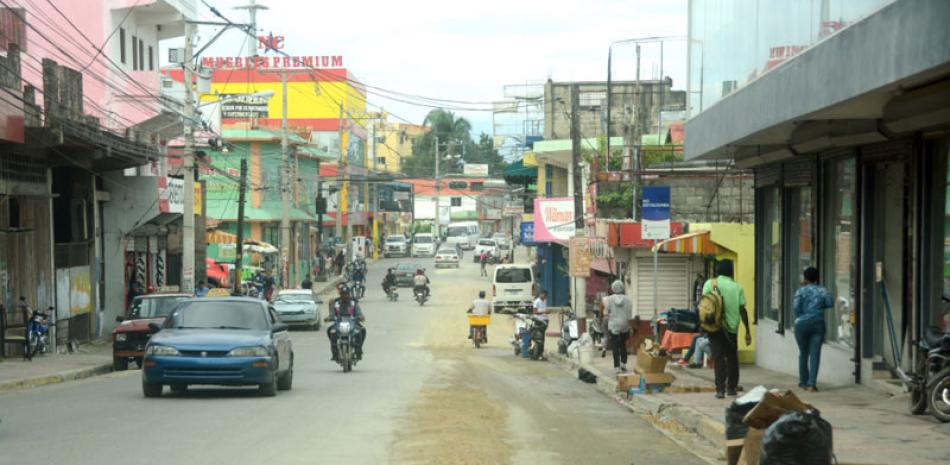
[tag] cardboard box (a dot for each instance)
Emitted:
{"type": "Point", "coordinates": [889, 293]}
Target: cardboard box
{"type": "Point", "coordinates": [627, 380]}
{"type": "Point", "coordinates": [772, 406]}
{"type": "Point", "coordinates": [651, 379]}
{"type": "Point", "coordinates": [751, 447]}
{"type": "Point", "coordinates": [644, 381]}
{"type": "Point", "coordinates": [651, 363]}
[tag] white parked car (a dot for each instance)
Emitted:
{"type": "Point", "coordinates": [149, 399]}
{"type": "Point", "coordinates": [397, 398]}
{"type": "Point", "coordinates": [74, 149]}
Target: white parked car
{"type": "Point", "coordinates": [485, 245]}
{"type": "Point", "coordinates": [512, 287]}
{"type": "Point", "coordinates": [423, 245]}
{"type": "Point", "coordinates": [298, 307]}
{"type": "Point", "coordinates": [395, 244]}
{"type": "Point", "coordinates": [447, 256]}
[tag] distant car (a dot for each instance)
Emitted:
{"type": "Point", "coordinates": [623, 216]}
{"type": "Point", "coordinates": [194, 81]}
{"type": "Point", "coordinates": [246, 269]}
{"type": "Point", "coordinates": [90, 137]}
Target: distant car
{"type": "Point", "coordinates": [298, 307]}
{"type": "Point", "coordinates": [404, 273]}
{"type": "Point", "coordinates": [394, 245]}
{"type": "Point", "coordinates": [423, 245]}
{"type": "Point", "coordinates": [501, 239]}
{"type": "Point", "coordinates": [231, 341]}
{"type": "Point", "coordinates": [447, 256]}
{"type": "Point", "coordinates": [132, 334]}
{"type": "Point", "coordinates": [485, 245]}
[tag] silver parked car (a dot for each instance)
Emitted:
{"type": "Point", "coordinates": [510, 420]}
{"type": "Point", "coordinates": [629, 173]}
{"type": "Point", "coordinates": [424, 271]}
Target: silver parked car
{"type": "Point", "coordinates": [298, 307]}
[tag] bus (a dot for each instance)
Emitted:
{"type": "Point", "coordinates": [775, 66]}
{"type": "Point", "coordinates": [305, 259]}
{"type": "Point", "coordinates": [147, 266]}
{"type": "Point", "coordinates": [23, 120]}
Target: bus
{"type": "Point", "coordinates": [465, 234]}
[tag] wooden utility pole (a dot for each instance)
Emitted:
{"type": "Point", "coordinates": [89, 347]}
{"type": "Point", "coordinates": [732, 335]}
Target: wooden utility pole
{"type": "Point", "coordinates": [239, 250]}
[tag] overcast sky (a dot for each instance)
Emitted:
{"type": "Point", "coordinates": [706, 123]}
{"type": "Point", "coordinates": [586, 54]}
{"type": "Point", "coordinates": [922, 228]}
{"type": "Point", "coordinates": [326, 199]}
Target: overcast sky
{"type": "Point", "coordinates": [468, 51]}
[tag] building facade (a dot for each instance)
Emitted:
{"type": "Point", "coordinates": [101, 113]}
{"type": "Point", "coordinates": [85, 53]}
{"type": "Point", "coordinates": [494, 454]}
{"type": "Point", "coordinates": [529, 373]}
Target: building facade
{"type": "Point", "coordinates": [840, 109]}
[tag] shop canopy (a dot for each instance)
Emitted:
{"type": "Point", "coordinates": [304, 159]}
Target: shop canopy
{"type": "Point", "coordinates": [694, 243]}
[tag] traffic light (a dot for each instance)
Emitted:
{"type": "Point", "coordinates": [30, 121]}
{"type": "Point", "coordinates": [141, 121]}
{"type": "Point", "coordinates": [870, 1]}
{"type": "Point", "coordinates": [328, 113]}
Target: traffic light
{"type": "Point", "coordinates": [321, 204]}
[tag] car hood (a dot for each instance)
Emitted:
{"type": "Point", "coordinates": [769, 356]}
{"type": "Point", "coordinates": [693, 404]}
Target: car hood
{"type": "Point", "coordinates": [280, 308]}
{"type": "Point", "coordinates": [210, 339]}
{"type": "Point", "coordinates": [139, 325]}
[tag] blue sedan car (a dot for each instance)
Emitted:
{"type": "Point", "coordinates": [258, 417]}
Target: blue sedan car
{"type": "Point", "coordinates": [231, 341]}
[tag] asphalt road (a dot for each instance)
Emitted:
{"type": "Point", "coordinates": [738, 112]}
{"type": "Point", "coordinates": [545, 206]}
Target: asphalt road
{"type": "Point", "coordinates": [422, 395]}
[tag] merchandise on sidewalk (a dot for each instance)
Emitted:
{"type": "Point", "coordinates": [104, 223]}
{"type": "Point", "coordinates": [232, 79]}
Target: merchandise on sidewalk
{"type": "Point", "coordinates": [651, 358]}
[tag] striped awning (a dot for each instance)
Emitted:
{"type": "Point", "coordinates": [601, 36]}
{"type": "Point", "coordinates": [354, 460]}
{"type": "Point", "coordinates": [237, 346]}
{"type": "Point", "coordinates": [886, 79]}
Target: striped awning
{"type": "Point", "coordinates": [694, 243]}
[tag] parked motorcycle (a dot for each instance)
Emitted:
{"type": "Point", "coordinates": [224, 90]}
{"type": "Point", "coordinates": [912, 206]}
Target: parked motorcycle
{"type": "Point", "coordinates": [38, 342]}
{"type": "Point", "coordinates": [569, 333]}
{"type": "Point", "coordinates": [420, 295]}
{"type": "Point", "coordinates": [529, 336]}
{"type": "Point", "coordinates": [929, 383]}
{"type": "Point", "coordinates": [347, 330]}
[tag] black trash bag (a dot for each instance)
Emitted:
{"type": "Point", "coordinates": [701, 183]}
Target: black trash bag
{"type": "Point", "coordinates": [586, 376]}
{"type": "Point", "coordinates": [735, 412]}
{"type": "Point", "coordinates": [798, 438]}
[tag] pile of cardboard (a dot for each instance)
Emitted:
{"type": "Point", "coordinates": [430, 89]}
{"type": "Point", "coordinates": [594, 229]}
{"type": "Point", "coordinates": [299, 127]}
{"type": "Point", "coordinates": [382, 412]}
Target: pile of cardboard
{"type": "Point", "coordinates": [650, 372]}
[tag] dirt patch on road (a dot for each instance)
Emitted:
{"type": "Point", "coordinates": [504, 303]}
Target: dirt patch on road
{"type": "Point", "coordinates": [452, 422]}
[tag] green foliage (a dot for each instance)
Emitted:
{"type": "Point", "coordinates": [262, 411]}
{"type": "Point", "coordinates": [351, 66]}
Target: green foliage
{"type": "Point", "coordinates": [454, 135]}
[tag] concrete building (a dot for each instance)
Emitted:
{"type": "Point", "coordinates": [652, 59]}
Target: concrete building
{"type": "Point", "coordinates": [841, 111]}
{"type": "Point", "coordinates": [392, 143]}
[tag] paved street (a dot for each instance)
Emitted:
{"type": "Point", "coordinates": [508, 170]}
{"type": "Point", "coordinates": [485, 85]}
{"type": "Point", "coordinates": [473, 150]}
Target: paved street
{"type": "Point", "coordinates": [422, 395]}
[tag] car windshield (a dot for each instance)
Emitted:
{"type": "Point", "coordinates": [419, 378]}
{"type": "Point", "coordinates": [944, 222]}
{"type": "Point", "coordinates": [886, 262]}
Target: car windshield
{"type": "Point", "coordinates": [447, 250]}
{"type": "Point", "coordinates": [395, 239]}
{"type": "Point", "coordinates": [220, 314]}
{"type": "Point", "coordinates": [423, 239]}
{"type": "Point", "coordinates": [295, 298]}
{"type": "Point", "coordinates": [154, 307]}
{"type": "Point", "coordinates": [513, 275]}
{"type": "Point", "coordinates": [486, 242]}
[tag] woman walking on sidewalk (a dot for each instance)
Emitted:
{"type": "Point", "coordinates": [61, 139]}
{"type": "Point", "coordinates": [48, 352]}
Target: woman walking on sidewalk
{"type": "Point", "coordinates": [809, 304]}
{"type": "Point", "coordinates": [619, 311]}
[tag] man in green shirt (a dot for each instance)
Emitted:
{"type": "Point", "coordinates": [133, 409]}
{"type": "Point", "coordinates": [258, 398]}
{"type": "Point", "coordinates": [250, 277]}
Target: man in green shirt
{"type": "Point", "coordinates": [725, 342]}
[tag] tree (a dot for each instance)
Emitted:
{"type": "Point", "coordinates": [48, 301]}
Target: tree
{"type": "Point", "coordinates": [454, 135]}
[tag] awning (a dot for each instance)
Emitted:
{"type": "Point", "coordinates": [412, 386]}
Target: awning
{"type": "Point", "coordinates": [695, 243]}
{"type": "Point", "coordinates": [602, 265]}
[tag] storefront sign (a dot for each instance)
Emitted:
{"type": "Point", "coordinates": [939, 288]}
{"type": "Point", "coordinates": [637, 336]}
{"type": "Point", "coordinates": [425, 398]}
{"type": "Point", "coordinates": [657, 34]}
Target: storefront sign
{"type": "Point", "coordinates": [656, 212]}
{"type": "Point", "coordinates": [553, 219]}
{"type": "Point", "coordinates": [527, 233]}
{"type": "Point", "coordinates": [273, 43]}
{"type": "Point", "coordinates": [171, 196]}
{"type": "Point", "coordinates": [239, 106]}
{"type": "Point", "coordinates": [580, 257]}
{"type": "Point", "coordinates": [475, 169]}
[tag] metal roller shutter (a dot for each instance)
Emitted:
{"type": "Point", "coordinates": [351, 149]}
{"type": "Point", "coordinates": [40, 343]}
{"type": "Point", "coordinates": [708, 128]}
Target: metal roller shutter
{"type": "Point", "coordinates": [673, 284]}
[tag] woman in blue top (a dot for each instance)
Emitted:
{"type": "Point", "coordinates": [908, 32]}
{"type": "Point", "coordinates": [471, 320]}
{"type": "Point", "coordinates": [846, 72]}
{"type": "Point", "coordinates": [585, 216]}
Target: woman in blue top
{"type": "Point", "coordinates": [810, 302]}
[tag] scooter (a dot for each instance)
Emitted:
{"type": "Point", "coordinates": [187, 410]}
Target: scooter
{"type": "Point", "coordinates": [420, 295]}
{"type": "Point", "coordinates": [929, 383]}
{"type": "Point", "coordinates": [569, 333]}
{"type": "Point", "coordinates": [528, 340]}
{"type": "Point", "coordinates": [38, 335]}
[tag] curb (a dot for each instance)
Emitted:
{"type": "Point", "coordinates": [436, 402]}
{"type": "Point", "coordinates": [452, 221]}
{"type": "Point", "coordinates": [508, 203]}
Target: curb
{"type": "Point", "coordinates": [62, 377]}
{"type": "Point", "coordinates": [699, 425]}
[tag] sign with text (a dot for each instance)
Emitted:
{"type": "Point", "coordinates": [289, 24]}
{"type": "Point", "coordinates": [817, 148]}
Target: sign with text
{"type": "Point", "coordinates": [527, 233]}
{"type": "Point", "coordinates": [475, 169]}
{"type": "Point", "coordinates": [553, 219]}
{"type": "Point", "coordinates": [580, 255]}
{"type": "Point", "coordinates": [656, 212]}
{"type": "Point", "coordinates": [241, 106]}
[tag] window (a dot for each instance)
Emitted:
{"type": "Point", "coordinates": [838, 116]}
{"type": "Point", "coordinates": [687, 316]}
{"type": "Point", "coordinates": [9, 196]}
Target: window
{"type": "Point", "coordinates": [13, 212]}
{"type": "Point", "coordinates": [380, 160]}
{"type": "Point", "coordinates": [477, 186]}
{"type": "Point", "coordinates": [122, 45]}
{"type": "Point", "coordinates": [513, 275]}
{"type": "Point", "coordinates": [799, 240]}
{"type": "Point", "coordinates": [771, 253]}
{"type": "Point", "coordinates": [456, 201]}
{"type": "Point", "coordinates": [592, 99]}
{"type": "Point", "coordinates": [141, 55]}
{"type": "Point", "coordinates": [135, 54]}
{"type": "Point", "coordinates": [838, 251]}
{"type": "Point", "coordinates": [151, 58]}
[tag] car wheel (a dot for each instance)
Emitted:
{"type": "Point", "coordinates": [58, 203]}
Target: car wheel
{"type": "Point", "coordinates": [120, 363]}
{"type": "Point", "coordinates": [268, 389]}
{"type": "Point", "coordinates": [152, 389]}
{"type": "Point", "coordinates": [286, 380]}
{"type": "Point", "coordinates": [179, 388]}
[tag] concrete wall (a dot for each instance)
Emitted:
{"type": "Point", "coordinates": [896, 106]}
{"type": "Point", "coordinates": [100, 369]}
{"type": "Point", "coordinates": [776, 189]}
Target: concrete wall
{"type": "Point", "coordinates": [653, 96]}
{"type": "Point", "coordinates": [709, 197]}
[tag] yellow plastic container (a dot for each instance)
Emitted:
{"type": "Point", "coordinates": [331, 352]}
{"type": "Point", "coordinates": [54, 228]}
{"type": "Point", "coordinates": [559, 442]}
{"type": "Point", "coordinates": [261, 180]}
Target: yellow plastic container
{"type": "Point", "coordinates": [479, 320]}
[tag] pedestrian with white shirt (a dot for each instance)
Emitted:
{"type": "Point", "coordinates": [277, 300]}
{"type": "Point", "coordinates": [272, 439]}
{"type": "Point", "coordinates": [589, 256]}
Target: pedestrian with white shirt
{"type": "Point", "coordinates": [540, 307]}
{"type": "Point", "coordinates": [619, 311]}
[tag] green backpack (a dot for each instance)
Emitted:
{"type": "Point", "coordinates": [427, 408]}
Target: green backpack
{"type": "Point", "coordinates": [710, 309]}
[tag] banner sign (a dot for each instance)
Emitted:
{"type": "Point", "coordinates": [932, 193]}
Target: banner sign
{"type": "Point", "coordinates": [527, 233]}
{"type": "Point", "coordinates": [475, 169]}
{"type": "Point", "coordinates": [580, 255]}
{"type": "Point", "coordinates": [242, 106]}
{"type": "Point", "coordinates": [553, 219]}
{"type": "Point", "coordinates": [656, 212]}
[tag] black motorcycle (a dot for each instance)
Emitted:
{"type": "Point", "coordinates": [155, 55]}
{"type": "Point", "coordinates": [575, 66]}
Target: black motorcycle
{"type": "Point", "coordinates": [929, 383]}
{"type": "Point", "coordinates": [535, 328]}
{"type": "Point", "coordinates": [347, 330]}
{"type": "Point", "coordinates": [392, 294]}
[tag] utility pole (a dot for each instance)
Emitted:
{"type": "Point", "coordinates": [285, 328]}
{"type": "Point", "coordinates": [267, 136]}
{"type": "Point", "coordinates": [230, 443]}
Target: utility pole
{"type": "Point", "coordinates": [438, 189]}
{"type": "Point", "coordinates": [285, 277]}
{"type": "Point", "coordinates": [252, 8]}
{"type": "Point", "coordinates": [580, 284]}
{"type": "Point", "coordinates": [188, 211]}
{"type": "Point", "coordinates": [340, 166]}
{"type": "Point", "coordinates": [634, 144]}
{"type": "Point", "coordinates": [239, 250]}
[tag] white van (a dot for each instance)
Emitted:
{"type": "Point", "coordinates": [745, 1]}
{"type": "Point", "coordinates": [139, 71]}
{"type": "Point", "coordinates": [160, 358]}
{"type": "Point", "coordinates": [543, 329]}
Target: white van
{"type": "Point", "coordinates": [423, 245]}
{"type": "Point", "coordinates": [512, 287]}
{"type": "Point", "coordinates": [465, 234]}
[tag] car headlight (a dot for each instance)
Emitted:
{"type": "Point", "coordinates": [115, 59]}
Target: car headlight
{"type": "Point", "coordinates": [161, 350]}
{"type": "Point", "coordinates": [121, 337]}
{"type": "Point", "coordinates": [257, 351]}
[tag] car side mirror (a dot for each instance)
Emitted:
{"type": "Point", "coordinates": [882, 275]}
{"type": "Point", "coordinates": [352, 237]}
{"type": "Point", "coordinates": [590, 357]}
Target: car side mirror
{"type": "Point", "coordinates": [120, 318]}
{"type": "Point", "coordinates": [154, 327]}
{"type": "Point", "coordinates": [278, 328]}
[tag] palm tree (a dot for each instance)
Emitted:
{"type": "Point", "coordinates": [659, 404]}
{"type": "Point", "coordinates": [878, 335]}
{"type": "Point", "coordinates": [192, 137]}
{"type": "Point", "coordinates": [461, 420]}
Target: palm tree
{"type": "Point", "coordinates": [454, 137]}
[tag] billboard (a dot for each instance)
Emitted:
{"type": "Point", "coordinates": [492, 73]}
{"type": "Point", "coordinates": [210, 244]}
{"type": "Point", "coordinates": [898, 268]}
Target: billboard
{"type": "Point", "coordinates": [475, 169]}
{"type": "Point", "coordinates": [553, 219]}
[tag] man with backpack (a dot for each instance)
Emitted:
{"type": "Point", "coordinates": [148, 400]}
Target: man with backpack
{"type": "Point", "coordinates": [721, 308]}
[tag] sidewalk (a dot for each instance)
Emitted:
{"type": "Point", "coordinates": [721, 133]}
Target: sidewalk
{"type": "Point", "coordinates": [869, 427]}
{"type": "Point", "coordinates": [91, 360]}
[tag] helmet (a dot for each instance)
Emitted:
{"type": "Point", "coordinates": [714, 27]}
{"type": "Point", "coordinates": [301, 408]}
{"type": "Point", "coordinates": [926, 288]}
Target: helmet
{"type": "Point", "coordinates": [344, 289]}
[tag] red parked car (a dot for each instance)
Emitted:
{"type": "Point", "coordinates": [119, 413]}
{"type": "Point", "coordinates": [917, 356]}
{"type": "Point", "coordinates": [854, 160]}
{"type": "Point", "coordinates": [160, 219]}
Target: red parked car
{"type": "Point", "coordinates": [132, 334]}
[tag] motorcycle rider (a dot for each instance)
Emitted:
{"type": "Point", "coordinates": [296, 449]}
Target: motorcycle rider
{"type": "Point", "coordinates": [480, 307]}
{"type": "Point", "coordinates": [359, 277]}
{"type": "Point", "coordinates": [345, 305]}
{"type": "Point", "coordinates": [389, 281]}
{"type": "Point", "coordinates": [420, 280]}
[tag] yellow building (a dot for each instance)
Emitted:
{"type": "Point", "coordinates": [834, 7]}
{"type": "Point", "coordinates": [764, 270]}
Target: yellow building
{"type": "Point", "coordinates": [393, 142]}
